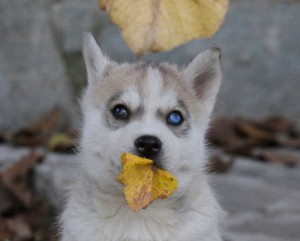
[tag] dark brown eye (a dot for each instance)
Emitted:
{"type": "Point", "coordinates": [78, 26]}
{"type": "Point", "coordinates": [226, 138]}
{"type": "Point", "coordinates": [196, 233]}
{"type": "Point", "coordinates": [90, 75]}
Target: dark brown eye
{"type": "Point", "coordinates": [120, 112]}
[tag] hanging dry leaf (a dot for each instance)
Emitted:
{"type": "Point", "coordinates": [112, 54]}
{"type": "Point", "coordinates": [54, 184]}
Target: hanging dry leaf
{"type": "Point", "coordinates": [156, 25]}
{"type": "Point", "coordinates": [144, 182]}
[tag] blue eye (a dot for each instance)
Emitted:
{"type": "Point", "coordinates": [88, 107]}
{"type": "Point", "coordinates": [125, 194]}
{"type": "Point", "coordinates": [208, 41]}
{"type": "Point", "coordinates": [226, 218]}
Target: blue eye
{"type": "Point", "coordinates": [120, 112]}
{"type": "Point", "coordinates": [175, 118]}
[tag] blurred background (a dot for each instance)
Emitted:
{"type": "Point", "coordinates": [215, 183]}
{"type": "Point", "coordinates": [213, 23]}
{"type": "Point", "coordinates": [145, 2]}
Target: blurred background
{"type": "Point", "coordinates": [255, 137]}
{"type": "Point", "coordinates": [41, 64]}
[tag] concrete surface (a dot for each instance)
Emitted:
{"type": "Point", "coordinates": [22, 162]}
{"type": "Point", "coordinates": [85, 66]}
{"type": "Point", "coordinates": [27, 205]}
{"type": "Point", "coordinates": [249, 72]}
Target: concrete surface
{"type": "Point", "coordinates": [32, 74]}
{"type": "Point", "coordinates": [261, 200]}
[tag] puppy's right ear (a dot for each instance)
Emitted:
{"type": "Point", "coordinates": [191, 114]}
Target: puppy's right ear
{"type": "Point", "coordinates": [94, 59]}
{"type": "Point", "coordinates": [204, 75]}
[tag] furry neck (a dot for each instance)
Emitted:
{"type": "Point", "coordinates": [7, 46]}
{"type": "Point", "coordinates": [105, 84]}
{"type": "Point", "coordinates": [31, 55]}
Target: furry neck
{"type": "Point", "coordinates": [95, 196]}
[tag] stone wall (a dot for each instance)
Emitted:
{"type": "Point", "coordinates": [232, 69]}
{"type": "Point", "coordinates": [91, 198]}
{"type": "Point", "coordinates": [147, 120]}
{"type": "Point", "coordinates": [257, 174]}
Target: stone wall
{"type": "Point", "coordinates": [41, 65]}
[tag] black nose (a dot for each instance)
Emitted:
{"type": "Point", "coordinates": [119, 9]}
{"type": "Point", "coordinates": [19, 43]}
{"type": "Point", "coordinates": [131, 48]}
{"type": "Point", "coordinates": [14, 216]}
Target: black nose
{"type": "Point", "coordinates": [148, 146]}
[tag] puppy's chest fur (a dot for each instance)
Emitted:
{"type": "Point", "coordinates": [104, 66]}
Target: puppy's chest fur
{"type": "Point", "coordinates": [125, 227]}
{"type": "Point", "coordinates": [114, 221]}
{"type": "Point", "coordinates": [106, 217]}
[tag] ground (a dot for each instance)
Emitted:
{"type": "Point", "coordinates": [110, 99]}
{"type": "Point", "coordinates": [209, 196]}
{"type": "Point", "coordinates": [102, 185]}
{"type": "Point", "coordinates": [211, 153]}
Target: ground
{"type": "Point", "coordinates": [261, 200]}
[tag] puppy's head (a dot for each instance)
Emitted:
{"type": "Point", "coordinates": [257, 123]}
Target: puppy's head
{"type": "Point", "coordinates": [151, 110]}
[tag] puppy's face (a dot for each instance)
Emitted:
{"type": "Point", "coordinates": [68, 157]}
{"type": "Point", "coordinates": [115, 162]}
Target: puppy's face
{"type": "Point", "coordinates": [154, 111]}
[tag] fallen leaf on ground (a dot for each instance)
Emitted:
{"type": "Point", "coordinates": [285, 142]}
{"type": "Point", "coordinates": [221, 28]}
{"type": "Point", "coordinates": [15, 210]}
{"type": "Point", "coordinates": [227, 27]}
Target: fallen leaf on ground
{"type": "Point", "coordinates": [288, 141]}
{"type": "Point", "coordinates": [4, 232]}
{"type": "Point", "coordinates": [23, 218]}
{"type": "Point", "coordinates": [7, 203]}
{"type": "Point", "coordinates": [223, 133]}
{"type": "Point", "coordinates": [19, 228]}
{"type": "Point", "coordinates": [251, 131]}
{"type": "Point", "coordinates": [48, 122]}
{"type": "Point", "coordinates": [2, 138]}
{"type": "Point", "coordinates": [240, 136]}
{"type": "Point", "coordinates": [14, 178]}
{"type": "Point", "coordinates": [277, 158]}
{"type": "Point", "coordinates": [38, 133]}
{"type": "Point", "coordinates": [61, 142]}
{"type": "Point", "coordinates": [218, 164]}
{"type": "Point", "coordinates": [160, 25]}
{"type": "Point", "coordinates": [275, 124]}
{"type": "Point", "coordinates": [144, 182]}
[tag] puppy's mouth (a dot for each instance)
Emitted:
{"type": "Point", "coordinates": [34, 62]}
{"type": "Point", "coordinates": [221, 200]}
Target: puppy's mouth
{"type": "Point", "coordinates": [157, 159]}
{"type": "Point", "coordinates": [157, 163]}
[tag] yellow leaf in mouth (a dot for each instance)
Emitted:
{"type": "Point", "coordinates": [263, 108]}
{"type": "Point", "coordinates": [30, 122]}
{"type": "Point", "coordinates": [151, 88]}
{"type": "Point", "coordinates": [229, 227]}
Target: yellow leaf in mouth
{"type": "Point", "coordinates": [144, 182]}
{"type": "Point", "coordinates": [160, 25]}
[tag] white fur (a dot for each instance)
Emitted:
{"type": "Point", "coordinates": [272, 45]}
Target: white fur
{"type": "Point", "coordinates": [97, 210]}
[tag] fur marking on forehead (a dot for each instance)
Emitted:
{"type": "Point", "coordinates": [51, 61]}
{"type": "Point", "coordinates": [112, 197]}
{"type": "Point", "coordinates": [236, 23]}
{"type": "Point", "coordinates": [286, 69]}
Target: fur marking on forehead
{"type": "Point", "coordinates": [153, 84]}
{"type": "Point", "coordinates": [131, 96]}
{"type": "Point", "coordinates": [156, 95]}
{"type": "Point", "coordinates": [165, 84]}
{"type": "Point", "coordinates": [160, 84]}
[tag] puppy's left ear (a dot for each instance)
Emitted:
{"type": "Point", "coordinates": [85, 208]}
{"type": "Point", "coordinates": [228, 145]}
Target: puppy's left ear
{"type": "Point", "coordinates": [95, 60]}
{"type": "Point", "coordinates": [204, 75]}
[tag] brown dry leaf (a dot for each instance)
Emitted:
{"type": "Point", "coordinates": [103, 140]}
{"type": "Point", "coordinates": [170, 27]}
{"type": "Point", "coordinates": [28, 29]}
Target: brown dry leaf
{"type": "Point", "coordinates": [223, 133]}
{"type": "Point", "coordinates": [241, 137]}
{"type": "Point", "coordinates": [160, 25]}
{"type": "Point", "coordinates": [19, 228]}
{"type": "Point", "coordinates": [37, 133]}
{"type": "Point", "coordinates": [289, 160]}
{"type": "Point", "coordinates": [4, 232]}
{"type": "Point", "coordinates": [276, 124]}
{"type": "Point", "coordinates": [14, 179]}
{"type": "Point", "coordinates": [26, 137]}
{"type": "Point", "coordinates": [2, 138]}
{"type": "Point", "coordinates": [35, 216]}
{"type": "Point", "coordinates": [143, 182]}
{"type": "Point", "coordinates": [277, 158]}
{"type": "Point", "coordinates": [287, 141]}
{"type": "Point", "coordinates": [220, 165]}
{"type": "Point", "coordinates": [7, 202]}
{"type": "Point", "coordinates": [17, 221]}
{"type": "Point", "coordinates": [250, 130]}
{"type": "Point", "coordinates": [48, 122]}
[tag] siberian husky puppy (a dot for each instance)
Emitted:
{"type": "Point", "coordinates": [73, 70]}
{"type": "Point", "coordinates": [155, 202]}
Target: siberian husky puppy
{"type": "Point", "coordinates": [155, 111]}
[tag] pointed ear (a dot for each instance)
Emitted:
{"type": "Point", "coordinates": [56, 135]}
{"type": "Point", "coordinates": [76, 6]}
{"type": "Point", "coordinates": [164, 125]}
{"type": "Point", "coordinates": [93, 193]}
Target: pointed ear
{"type": "Point", "coordinates": [94, 59]}
{"type": "Point", "coordinates": [204, 75]}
